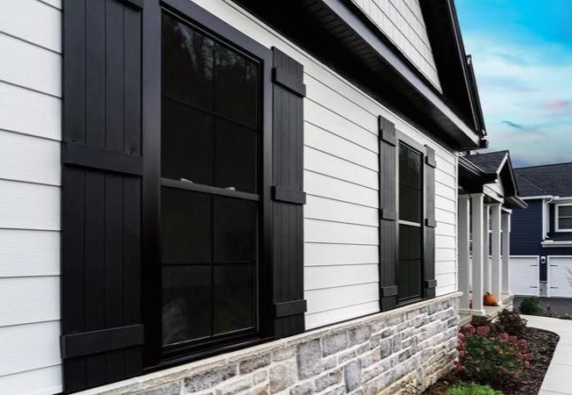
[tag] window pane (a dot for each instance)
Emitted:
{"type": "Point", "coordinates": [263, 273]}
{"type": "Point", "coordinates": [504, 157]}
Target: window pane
{"type": "Point", "coordinates": [234, 297]}
{"type": "Point", "coordinates": [210, 110]}
{"type": "Point", "coordinates": [234, 230]}
{"type": "Point", "coordinates": [236, 86]}
{"type": "Point", "coordinates": [565, 211]}
{"type": "Point", "coordinates": [186, 227]}
{"type": "Point", "coordinates": [565, 223]}
{"type": "Point", "coordinates": [188, 64]}
{"type": "Point", "coordinates": [187, 144]}
{"type": "Point", "coordinates": [410, 271]}
{"type": "Point", "coordinates": [187, 303]}
{"type": "Point", "coordinates": [410, 184]}
{"type": "Point", "coordinates": [235, 157]}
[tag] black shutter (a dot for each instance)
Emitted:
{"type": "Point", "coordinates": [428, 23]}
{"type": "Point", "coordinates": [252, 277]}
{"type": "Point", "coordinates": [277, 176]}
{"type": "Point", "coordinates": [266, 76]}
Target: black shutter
{"type": "Point", "coordinates": [288, 196]}
{"type": "Point", "coordinates": [430, 224]}
{"type": "Point", "coordinates": [388, 247]}
{"type": "Point", "coordinates": [102, 334]}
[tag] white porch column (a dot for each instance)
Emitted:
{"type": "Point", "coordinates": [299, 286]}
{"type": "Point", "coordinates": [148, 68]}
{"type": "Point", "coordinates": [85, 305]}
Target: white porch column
{"type": "Point", "coordinates": [486, 249]}
{"type": "Point", "coordinates": [478, 252]}
{"type": "Point", "coordinates": [505, 287]}
{"type": "Point", "coordinates": [496, 269]}
{"type": "Point", "coordinates": [464, 258]}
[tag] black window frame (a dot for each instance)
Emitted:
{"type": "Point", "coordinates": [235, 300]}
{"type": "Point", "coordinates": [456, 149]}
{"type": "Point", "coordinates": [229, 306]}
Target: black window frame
{"type": "Point", "coordinates": [419, 149]}
{"type": "Point", "coordinates": [156, 355]}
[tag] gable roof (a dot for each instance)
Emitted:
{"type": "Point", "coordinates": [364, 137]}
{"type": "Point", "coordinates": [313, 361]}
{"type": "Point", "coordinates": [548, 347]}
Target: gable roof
{"type": "Point", "coordinates": [490, 167]}
{"type": "Point", "coordinates": [554, 180]}
{"type": "Point", "coordinates": [490, 162]}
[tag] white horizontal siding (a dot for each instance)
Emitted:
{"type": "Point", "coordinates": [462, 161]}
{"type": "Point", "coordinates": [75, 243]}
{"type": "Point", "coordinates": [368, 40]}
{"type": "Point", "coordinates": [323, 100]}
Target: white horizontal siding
{"type": "Point", "coordinates": [28, 253]}
{"type": "Point", "coordinates": [340, 179]}
{"type": "Point", "coordinates": [28, 158]}
{"type": "Point", "coordinates": [23, 383]}
{"type": "Point", "coordinates": [321, 277]}
{"type": "Point", "coordinates": [30, 66]}
{"type": "Point", "coordinates": [29, 112]}
{"type": "Point", "coordinates": [32, 21]}
{"type": "Point", "coordinates": [29, 347]}
{"type": "Point", "coordinates": [25, 300]}
{"type": "Point", "coordinates": [30, 175]}
{"type": "Point", "coordinates": [402, 22]}
{"type": "Point", "coordinates": [29, 206]}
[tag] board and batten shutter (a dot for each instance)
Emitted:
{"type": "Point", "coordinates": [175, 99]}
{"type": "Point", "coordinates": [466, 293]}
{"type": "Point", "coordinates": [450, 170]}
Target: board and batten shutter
{"type": "Point", "coordinates": [287, 195]}
{"type": "Point", "coordinates": [388, 246]}
{"type": "Point", "coordinates": [102, 331]}
{"type": "Point", "coordinates": [430, 224]}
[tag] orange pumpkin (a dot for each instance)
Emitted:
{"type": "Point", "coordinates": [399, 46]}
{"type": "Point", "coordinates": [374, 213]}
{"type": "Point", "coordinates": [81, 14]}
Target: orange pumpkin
{"type": "Point", "coordinates": [490, 300]}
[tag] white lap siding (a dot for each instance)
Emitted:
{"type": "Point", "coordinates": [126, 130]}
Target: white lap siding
{"type": "Point", "coordinates": [402, 22]}
{"type": "Point", "coordinates": [341, 181]}
{"type": "Point", "coordinates": [30, 133]}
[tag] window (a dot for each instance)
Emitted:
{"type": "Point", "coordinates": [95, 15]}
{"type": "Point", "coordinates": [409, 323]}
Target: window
{"type": "Point", "coordinates": [210, 202]}
{"type": "Point", "coordinates": [564, 218]}
{"type": "Point", "coordinates": [410, 269]}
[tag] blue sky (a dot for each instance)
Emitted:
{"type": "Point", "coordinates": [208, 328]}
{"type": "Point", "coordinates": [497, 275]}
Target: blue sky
{"type": "Point", "coordinates": [522, 53]}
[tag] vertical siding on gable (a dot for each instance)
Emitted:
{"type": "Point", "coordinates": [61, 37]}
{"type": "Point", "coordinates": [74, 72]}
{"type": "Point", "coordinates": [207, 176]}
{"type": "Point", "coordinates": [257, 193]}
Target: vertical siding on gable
{"type": "Point", "coordinates": [340, 178]}
{"type": "Point", "coordinates": [30, 131]}
{"type": "Point", "coordinates": [402, 22]}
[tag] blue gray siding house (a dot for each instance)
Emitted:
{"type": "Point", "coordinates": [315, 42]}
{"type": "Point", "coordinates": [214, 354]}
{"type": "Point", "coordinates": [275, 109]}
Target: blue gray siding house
{"type": "Point", "coordinates": [543, 229]}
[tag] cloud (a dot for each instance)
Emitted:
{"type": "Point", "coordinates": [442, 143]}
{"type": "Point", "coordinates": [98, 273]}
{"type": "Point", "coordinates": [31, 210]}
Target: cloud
{"type": "Point", "coordinates": [526, 91]}
{"type": "Point", "coordinates": [513, 125]}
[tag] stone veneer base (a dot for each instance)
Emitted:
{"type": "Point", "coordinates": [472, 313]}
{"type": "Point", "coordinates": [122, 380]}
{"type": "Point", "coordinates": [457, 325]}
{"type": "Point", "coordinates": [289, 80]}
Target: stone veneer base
{"type": "Point", "coordinates": [402, 351]}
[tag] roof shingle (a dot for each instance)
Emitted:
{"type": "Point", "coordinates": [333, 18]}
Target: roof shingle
{"type": "Point", "coordinates": [555, 180]}
{"type": "Point", "coordinates": [489, 162]}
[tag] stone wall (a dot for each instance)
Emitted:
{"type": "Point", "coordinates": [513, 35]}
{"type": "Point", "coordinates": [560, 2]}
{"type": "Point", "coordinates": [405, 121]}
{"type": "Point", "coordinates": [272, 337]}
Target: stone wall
{"type": "Point", "coordinates": [398, 352]}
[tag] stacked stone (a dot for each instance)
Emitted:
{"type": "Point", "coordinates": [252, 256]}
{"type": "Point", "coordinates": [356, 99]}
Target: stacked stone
{"type": "Point", "coordinates": [398, 352]}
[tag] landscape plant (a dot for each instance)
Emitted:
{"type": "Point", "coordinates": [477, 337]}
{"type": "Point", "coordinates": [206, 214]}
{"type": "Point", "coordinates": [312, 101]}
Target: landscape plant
{"type": "Point", "coordinates": [510, 322]}
{"type": "Point", "coordinates": [531, 306]}
{"type": "Point", "coordinates": [489, 358]}
{"type": "Point", "coordinates": [472, 389]}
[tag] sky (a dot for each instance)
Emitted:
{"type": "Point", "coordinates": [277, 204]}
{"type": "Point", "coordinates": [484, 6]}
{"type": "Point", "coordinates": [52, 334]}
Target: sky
{"type": "Point", "coordinates": [522, 54]}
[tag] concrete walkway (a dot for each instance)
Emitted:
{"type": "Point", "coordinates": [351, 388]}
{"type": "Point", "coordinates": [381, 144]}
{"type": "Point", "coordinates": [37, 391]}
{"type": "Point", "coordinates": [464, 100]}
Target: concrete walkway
{"type": "Point", "coordinates": [558, 379]}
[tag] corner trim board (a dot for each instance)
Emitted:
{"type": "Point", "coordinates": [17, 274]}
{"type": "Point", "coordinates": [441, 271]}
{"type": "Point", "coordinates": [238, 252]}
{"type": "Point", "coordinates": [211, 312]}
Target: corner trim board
{"type": "Point", "coordinates": [87, 343]}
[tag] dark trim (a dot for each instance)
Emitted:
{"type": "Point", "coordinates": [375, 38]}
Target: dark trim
{"type": "Point", "coordinates": [431, 222]}
{"type": "Point", "coordinates": [136, 4]}
{"type": "Point", "coordinates": [287, 195]}
{"type": "Point", "coordinates": [430, 157]}
{"type": "Point", "coordinates": [286, 309]}
{"type": "Point", "coordinates": [200, 188]}
{"type": "Point", "coordinates": [282, 78]}
{"type": "Point", "coordinates": [429, 284]}
{"type": "Point", "coordinates": [388, 291]}
{"type": "Point", "coordinates": [97, 158]}
{"type": "Point", "coordinates": [389, 215]}
{"type": "Point", "coordinates": [87, 343]}
{"type": "Point", "coordinates": [386, 131]}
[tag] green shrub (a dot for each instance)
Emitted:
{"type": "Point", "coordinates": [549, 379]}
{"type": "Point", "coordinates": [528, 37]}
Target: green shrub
{"type": "Point", "coordinates": [489, 358]}
{"type": "Point", "coordinates": [565, 317]}
{"type": "Point", "coordinates": [472, 389]}
{"type": "Point", "coordinates": [480, 321]}
{"type": "Point", "coordinates": [530, 306]}
{"type": "Point", "coordinates": [510, 322]}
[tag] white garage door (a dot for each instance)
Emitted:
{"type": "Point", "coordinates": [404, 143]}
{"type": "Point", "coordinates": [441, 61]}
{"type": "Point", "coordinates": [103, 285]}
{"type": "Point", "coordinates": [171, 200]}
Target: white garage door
{"type": "Point", "coordinates": [524, 275]}
{"type": "Point", "coordinates": [560, 276]}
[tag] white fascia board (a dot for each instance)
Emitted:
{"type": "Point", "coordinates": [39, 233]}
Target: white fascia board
{"type": "Point", "coordinates": [538, 197]}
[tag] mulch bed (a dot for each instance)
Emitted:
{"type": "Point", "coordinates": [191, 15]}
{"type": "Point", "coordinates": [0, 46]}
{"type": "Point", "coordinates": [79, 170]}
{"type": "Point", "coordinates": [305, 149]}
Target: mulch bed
{"type": "Point", "coordinates": [530, 381]}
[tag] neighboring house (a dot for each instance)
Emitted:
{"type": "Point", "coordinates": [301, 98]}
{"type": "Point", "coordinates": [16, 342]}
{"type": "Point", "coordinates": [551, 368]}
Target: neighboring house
{"type": "Point", "coordinates": [227, 197]}
{"type": "Point", "coordinates": [488, 194]}
{"type": "Point", "coordinates": [543, 233]}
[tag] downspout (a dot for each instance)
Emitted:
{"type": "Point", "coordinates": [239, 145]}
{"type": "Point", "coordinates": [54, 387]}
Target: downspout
{"type": "Point", "coordinates": [546, 217]}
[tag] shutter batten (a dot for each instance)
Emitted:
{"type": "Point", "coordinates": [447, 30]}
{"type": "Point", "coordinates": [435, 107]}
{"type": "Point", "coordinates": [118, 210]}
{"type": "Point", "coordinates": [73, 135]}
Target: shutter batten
{"type": "Point", "coordinates": [288, 195]}
{"type": "Point", "coordinates": [102, 330]}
